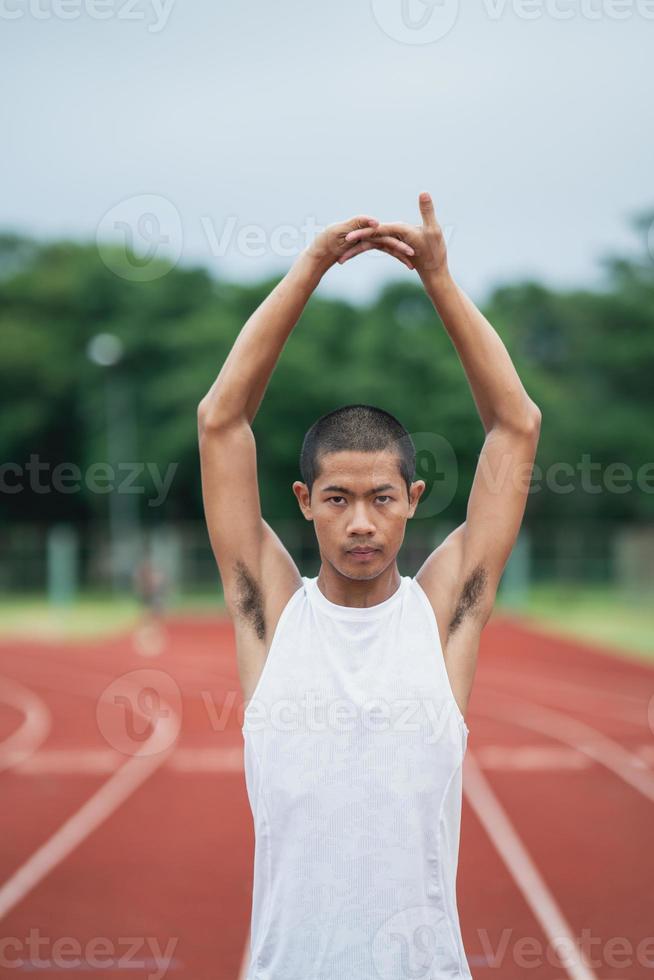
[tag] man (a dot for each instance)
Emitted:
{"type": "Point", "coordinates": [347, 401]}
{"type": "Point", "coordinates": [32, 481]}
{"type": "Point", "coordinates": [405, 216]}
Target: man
{"type": "Point", "coordinates": [150, 585]}
{"type": "Point", "coordinates": [357, 819]}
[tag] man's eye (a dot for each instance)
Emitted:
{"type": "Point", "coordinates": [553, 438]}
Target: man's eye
{"type": "Point", "coordinates": [382, 496]}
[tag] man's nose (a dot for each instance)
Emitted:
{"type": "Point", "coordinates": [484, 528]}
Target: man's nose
{"type": "Point", "coordinates": [360, 520]}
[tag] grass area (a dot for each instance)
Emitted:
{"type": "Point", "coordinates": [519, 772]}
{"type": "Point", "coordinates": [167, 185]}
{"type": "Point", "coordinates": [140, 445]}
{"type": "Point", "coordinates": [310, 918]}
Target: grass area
{"type": "Point", "coordinates": [594, 613]}
{"type": "Point", "coordinates": [92, 615]}
{"type": "Point", "coordinates": [591, 612]}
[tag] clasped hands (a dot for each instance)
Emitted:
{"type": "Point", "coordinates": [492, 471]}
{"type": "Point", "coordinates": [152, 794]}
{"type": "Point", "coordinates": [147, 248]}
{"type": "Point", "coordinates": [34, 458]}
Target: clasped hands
{"type": "Point", "coordinates": [419, 247]}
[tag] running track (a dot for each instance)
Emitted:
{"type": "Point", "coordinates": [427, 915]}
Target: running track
{"type": "Point", "coordinates": [126, 839]}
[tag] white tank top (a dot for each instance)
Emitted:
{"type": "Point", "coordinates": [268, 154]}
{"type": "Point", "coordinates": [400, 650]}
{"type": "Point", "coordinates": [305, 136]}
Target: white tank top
{"type": "Point", "coordinates": [353, 751]}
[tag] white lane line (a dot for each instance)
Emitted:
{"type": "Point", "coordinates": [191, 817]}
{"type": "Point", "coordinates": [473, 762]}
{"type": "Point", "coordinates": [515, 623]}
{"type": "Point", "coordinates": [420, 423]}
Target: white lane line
{"type": "Point", "coordinates": [628, 766]}
{"type": "Point", "coordinates": [70, 762]}
{"type": "Point", "coordinates": [33, 731]}
{"type": "Point", "coordinates": [97, 809]}
{"type": "Point", "coordinates": [74, 762]}
{"type": "Point", "coordinates": [228, 759]}
{"type": "Point", "coordinates": [637, 715]}
{"type": "Point", "coordinates": [522, 758]}
{"type": "Point", "coordinates": [531, 758]}
{"type": "Point", "coordinates": [534, 889]}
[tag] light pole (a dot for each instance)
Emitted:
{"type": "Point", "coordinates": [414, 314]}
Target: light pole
{"type": "Point", "coordinates": [106, 350]}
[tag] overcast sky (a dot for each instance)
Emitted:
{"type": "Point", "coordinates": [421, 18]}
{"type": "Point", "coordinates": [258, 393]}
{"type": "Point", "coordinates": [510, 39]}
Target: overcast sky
{"type": "Point", "coordinates": [225, 133]}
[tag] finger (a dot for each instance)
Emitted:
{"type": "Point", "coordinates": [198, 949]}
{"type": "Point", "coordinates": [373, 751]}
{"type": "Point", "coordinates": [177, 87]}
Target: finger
{"type": "Point", "coordinates": [395, 242]}
{"type": "Point", "coordinates": [398, 255]}
{"type": "Point", "coordinates": [362, 221]}
{"type": "Point", "coordinates": [390, 247]}
{"type": "Point", "coordinates": [426, 206]}
{"type": "Point", "coordinates": [363, 247]}
{"type": "Point", "coordinates": [397, 229]}
{"type": "Point", "coordinates": [359, 234]}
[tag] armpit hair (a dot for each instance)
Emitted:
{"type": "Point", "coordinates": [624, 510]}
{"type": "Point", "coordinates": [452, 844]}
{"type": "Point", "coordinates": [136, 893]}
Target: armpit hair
{"type": "Point", "coordinates": [249, 599]}
{"type": "Point", "coordinates": [473, 590]}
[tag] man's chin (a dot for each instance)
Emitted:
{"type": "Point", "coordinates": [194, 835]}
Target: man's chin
{"type": "Point", "coordinates": [355, 568]}
{"type": "Point", "coordinates": [363, 559]}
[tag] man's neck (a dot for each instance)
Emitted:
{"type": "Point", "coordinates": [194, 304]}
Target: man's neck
{"type": "Point", "coordinates": [358, 593]}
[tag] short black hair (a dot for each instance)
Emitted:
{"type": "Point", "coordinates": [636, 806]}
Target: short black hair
{"type": "Point", "coordinates": [362, 428]}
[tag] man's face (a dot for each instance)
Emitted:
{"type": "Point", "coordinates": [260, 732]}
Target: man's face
{"type": "Point", "coordinates": [359, 501]}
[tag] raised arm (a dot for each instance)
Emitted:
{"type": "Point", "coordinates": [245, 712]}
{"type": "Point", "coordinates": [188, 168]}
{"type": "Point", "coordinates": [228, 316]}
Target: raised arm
{"type": "Point", "coordinates": [511, 421]}
{"type": "Point", "coordinates": [255, 569]}
{"type": "Point", "coordinates": [258, 574]}
{"type": "Point", "coordinates": [462, 575]}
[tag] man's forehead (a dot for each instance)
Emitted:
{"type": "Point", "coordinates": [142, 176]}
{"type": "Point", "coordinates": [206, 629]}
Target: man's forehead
{"type": "Point", "coordinates": [358, 466]}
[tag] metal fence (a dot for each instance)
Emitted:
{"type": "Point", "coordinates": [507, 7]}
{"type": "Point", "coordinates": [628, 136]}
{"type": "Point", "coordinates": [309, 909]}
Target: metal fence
{"type": "Point", "coordinates": [62, 560]}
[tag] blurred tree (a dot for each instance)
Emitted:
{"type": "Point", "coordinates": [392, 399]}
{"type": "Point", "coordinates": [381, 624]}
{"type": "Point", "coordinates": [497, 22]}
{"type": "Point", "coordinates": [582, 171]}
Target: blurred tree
{"type": "Point", "coordinates": [587, 358]}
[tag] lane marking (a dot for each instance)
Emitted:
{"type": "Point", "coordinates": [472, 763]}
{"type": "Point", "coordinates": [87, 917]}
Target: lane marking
{"type": "Point", "coordinates": [522, 758]}
{"type": "Point", "coordinates": [70, 762]}
{"type": "Point", "coordinates": [531, 758]}
{"type": "Point", "coordinates": [227, 759]}
{"type": "Point", "coordinates": [74, 762]}
{"type": "Point", "coordinates": [94, 812]}
{"type": "Point", "coordinates": [33, 730]}
{"type": "Point", "coordinates": [522, 868]}
{"type": "Point", "coordinates": [542, 683]}
{"type": "Point", "coordinates": [627, 766]}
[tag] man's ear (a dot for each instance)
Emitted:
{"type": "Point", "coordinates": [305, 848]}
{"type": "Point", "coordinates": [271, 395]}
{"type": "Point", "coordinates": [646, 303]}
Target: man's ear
{"type": "Point", "coordinates": [301, 491]}
{"type": "Point", "coordinates": [416, 492]}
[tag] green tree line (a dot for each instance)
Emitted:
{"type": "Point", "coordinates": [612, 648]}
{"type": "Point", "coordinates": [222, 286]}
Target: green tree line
{"type": "Point", "coordinates": [585, 356]}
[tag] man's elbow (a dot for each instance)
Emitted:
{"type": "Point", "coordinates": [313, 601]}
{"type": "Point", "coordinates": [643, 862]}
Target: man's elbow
{"type": "Point", "coordinates": [202, 416]}
{"type": "Point", "coordinates": [525, 423]}
{"type": "Point", "coordinates": [528, 423]}
{"type": "Point", "coordinates": [534, 419]}
{"type": "Point", "coordinates": [209, 418]}
{"type": "Point", "coordinates": [213, 420]}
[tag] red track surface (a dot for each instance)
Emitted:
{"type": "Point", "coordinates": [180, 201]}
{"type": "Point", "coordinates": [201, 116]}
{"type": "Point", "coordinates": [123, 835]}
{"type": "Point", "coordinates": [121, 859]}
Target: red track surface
{"type": "Point", "coordinates": [556, 835]}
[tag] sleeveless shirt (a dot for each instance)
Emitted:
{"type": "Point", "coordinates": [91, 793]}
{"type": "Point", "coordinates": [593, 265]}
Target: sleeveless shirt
{"type": "Point", "coordinates": [353, 755]}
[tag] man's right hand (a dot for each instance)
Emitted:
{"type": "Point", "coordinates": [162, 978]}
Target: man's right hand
{"type": "Point", "coordinates": [330, 245]}
{"type": "Point", "coordinates": [429, 251]}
